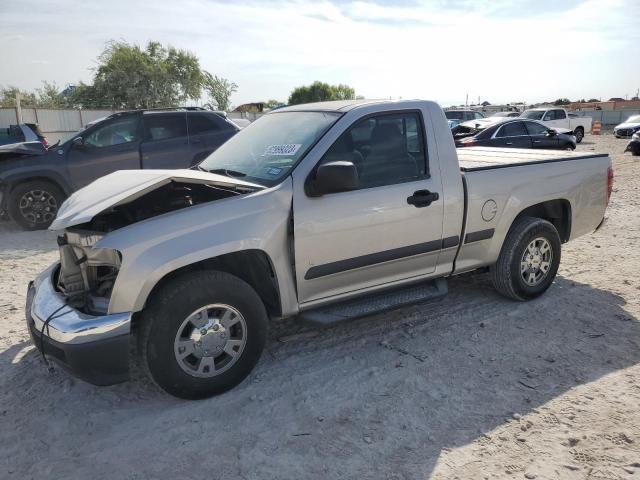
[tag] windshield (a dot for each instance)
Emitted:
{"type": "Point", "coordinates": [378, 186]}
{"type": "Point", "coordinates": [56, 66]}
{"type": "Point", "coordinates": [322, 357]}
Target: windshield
{"type": "Point", "coordinates": [533, 114]}
{"type": "Point", "coordinates": [266, 151]}
{"type": "Point", "coordinates": [634, 119]}
{"type": "Point", "coordinates": [454, 115]}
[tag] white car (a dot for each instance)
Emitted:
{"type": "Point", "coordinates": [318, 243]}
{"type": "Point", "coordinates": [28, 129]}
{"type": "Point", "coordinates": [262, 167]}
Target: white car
{"type": "Point", "coordinates": [559, 118]}
{"type": "Point", "coordinates": [627, 128]}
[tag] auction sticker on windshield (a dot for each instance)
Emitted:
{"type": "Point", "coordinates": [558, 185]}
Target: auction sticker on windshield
{"type": "Point", "coordinates": [286, 149]}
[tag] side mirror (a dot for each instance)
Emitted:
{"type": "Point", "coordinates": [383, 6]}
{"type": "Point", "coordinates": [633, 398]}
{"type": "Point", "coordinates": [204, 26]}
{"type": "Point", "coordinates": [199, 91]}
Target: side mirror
{"type": "Point", "coordinates": [78, 142]}
{"type": "Point", "coordinates": [551, 133]}
{"type": "Point", "coordinates": [333, 177]}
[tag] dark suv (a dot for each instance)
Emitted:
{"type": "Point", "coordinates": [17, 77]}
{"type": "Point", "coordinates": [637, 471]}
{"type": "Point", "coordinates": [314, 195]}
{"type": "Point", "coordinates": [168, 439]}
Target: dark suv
{"type": "Point", "coordinates": [32, 187]}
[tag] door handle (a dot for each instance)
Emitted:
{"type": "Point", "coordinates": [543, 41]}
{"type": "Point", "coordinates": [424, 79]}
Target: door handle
{"type": "Point", "coordinates": [509, 143]}
{"type": "Point", "coordinates": [422, 198]}
{"type": "Point", "coordinates": [537, 141]}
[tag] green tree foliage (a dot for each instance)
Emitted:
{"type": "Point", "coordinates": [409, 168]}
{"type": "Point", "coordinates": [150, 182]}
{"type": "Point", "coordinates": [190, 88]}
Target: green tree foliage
{"type": "Point", "coordinates": [128, 76]}
{"type": "Point", "coordinates": [271, 104]}
{"type": "Point", "coordinates": [8, 97]}
{"type": "Point", "coordinates": [320, 92]}
{"type": "Point", "coordinates": [219, 90]}
{"type": "Point", "coordinates": [562, 101]}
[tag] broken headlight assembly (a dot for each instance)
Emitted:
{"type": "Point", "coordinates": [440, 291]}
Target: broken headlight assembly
{"type": "Point", "coordinates": [87, 274]}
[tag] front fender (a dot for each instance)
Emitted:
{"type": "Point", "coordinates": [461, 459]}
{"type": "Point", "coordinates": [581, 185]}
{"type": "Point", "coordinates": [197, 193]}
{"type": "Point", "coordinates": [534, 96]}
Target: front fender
{"type": "Point", "coordinates": [158, 246]}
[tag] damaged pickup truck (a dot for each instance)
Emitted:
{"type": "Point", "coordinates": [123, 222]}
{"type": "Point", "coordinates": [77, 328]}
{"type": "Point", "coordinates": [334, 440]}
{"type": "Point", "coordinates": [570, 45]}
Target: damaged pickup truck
{"type": "Point", "coordinates": [325, 211]}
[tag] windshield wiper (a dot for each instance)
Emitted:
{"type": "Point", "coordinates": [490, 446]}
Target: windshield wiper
{"type": "Point", "coordinates": [226, 172]}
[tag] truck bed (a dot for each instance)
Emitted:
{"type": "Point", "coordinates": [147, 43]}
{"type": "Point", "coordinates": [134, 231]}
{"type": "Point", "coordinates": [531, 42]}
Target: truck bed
{"type": "Point", "coordinates": [473, 159]}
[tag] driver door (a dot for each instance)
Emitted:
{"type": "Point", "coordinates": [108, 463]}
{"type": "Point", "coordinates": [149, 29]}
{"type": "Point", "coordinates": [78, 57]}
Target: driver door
{"type": "Point", "coordinates": [354, 240]}
{"type": "Point", "coordinates": [110, 146]}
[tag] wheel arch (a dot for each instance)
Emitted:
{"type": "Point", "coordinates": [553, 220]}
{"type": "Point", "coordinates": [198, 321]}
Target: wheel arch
{"type": "Point", "coordinates": [557, 212]}
{"type": "Point", "coordinates": [14, 180]}
{"type": "Point", "coordinates": [254, 266]}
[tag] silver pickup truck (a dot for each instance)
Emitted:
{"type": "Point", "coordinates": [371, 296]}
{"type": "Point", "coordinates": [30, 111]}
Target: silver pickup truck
{"type": "Point", "coordinates": [325, 212]}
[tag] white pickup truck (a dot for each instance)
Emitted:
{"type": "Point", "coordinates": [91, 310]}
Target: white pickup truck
{"type": "Point", "coordinates": [560, 119]}
{"type": "Point", "coordinates": [323, 212]}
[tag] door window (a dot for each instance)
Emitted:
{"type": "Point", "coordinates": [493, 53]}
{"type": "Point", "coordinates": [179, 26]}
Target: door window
{"type": "Point", "coordinates": [163, 127]}
{"type": "Point", "coordinates": [513, 129]}
{"type": "Point", "coordinates": [199, 124]}
{"type": "Point", "coordinates": [121, 130]}
{"type": "Point", "coordinates": [535, 128]}
{"type": "Point", "coordinates": [478, 115]}
{"type": "Point", "coordinates": [386, 149]}
{"type": "Point", "coordinates": [559, 114]}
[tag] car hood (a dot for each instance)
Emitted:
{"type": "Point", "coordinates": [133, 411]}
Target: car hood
{"type": "Point", "coordinates": [127, 185]}
{"type": "Point", "coordinates": [628, 125]}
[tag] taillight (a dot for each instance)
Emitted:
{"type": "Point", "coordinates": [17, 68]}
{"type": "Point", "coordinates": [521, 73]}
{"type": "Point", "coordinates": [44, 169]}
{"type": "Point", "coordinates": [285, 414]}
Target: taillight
{"type": "Point", "coordinates": [609, 183]}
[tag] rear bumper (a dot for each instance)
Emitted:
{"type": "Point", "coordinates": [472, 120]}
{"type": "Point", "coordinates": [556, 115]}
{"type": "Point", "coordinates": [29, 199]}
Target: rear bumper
{"type": "Point", "coordinates": [93, 348]}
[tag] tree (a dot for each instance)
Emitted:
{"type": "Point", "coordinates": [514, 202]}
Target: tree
{"type": "Point", "coordinates": [49, 96]}
{"type": "Point", "coordinates": [130, 77]}
{"type": "Point", "coordinates": [8, 97]}
{"type": "Point", "coordinates": [271, 104]}
{"type": "Point", "coordinates": [219, 89]}
{"type": "Point", "coordinates": [562, 101]}
{"type": "Point", "coordinates": [593, 100]}
{"type": "Point", "coordinates": [321, 92]}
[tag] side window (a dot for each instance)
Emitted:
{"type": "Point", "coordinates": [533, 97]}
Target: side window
{"type": "Point", "coordinates": [513, 129]}
{"type": "Point", "coordinates": [199, 124]}
{"type": "Point", "coordinates": [560, 114]}
{"type": "Point", "coordinates": [386, 149]}
{"type": "Point", "coordinates": [121, 130]}
{"type": "Point", "coordinates": [163, 127]}
{"type": "Point", "coordinates": [535, 128]}
{"type": "Point", "coordinates": [478, 115]}
{"type": "Point", "coordinates": [549, 116]}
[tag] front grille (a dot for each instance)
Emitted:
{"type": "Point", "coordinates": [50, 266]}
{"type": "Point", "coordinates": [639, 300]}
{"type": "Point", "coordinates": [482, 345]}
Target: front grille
{"type": "Point", "coordinates": [624, 132]}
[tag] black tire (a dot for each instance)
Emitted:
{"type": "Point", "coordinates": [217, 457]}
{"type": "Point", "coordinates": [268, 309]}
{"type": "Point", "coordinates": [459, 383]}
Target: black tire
{"type": "Point", "coordinates": [506, 275]}
{"type": "Point", "coordinates": [172, 304]}
{"type": "Point", "coordinates": [26, 208]}
{"type": "Point", "coordinates": [579, 134]}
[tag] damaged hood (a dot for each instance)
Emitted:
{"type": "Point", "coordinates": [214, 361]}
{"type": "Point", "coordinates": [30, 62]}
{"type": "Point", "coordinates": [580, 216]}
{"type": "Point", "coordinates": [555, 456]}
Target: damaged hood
{"type": "Point", "coordinates": [126, 185]}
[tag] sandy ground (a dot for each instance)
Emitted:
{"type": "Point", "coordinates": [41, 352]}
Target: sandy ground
{"type": "Point", "coordinates": [473, 386]}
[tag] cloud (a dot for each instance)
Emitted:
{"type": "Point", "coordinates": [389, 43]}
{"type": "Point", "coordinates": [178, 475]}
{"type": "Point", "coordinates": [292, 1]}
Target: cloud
{"type": "Point", "coordinates": [500, 50]}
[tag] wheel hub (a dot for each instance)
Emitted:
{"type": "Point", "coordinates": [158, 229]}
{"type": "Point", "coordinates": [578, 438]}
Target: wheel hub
{"type": "Point", "coordinates": [38, 206]}
{"type": "Point", "coordinates": [536, 261]}
{"type": "Point", "coordinates": [210, 340]}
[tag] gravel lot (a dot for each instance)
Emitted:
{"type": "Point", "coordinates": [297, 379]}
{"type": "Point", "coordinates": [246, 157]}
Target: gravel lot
{"type": "Point", "coordinates": [473, 386]}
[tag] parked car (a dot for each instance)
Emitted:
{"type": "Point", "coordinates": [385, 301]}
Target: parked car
{"type": "Point", "coordinates": [559, 118]}
{"type": "Point", "coordinates": [325, 211]}
{"type": "Point", "coordinates": [24, 132]}
{"type": "Point", "coordinates": [627, 128]}
{"type": "Point", "coordinates": [32, 187]}
{"type": "Point", "coordinates": [634, 145]}
{"type": "Point", "coordinates": [513, 133]}
{"type": "Point", "coordinates": [505, 114]}
{"type": "Point", "coordinates": [462, 115]}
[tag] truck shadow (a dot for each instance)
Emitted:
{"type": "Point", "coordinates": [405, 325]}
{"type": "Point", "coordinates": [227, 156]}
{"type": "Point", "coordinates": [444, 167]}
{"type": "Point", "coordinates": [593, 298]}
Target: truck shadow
{"type": "Point", "coordinates": [380, 397]}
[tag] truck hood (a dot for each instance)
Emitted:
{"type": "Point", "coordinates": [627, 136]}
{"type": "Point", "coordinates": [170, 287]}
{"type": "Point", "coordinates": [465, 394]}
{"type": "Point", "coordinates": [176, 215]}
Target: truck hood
{"type": "Point", "coordinates": [125, 186]}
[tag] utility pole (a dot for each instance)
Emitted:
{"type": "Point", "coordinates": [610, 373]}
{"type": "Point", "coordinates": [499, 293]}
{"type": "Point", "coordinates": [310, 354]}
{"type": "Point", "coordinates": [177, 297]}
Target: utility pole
{"type": "Point", "coordinates": [18, 109]}
{"type": "Point", "coordinates": [466, 102]}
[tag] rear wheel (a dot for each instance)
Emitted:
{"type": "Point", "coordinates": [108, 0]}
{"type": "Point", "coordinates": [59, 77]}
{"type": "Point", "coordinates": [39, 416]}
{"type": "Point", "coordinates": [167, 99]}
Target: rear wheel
{"type": "Point", "coordinates": [202, 334]}
{"type": "Point", "coordinates": [34, 205]}
{"type": "Point", "coordinates": [529, 259]}
{"type": "Point", "coordinates": [579, 134]}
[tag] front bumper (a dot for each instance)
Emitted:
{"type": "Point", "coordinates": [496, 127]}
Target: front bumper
{"type": "Point", "coordinates": [93, 348]}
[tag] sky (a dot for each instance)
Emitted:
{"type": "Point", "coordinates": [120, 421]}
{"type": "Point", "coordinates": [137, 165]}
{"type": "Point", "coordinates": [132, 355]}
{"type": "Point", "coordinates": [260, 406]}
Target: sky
{"type": "Point", "coordinates": [500, 51]}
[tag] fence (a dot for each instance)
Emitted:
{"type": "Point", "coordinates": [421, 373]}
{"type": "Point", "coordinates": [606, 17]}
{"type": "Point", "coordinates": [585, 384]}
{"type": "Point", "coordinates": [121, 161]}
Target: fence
{"type": "Point", "coordinates": [55, 124]}
{"type": "Point", "coordinates": [608, 117]}
{"type": "Point", "coordinates": [60, 124]}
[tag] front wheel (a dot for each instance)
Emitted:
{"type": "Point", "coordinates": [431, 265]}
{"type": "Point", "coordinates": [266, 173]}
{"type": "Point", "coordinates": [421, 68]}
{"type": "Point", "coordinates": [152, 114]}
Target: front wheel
{"type": "Point", "coordinates": [529, 259]}
{"type": "Point", "coordinates": [34, 205]}
{"type": "Point", "coordinates": [202, 334]}
{"type": "Point", "coordinates": [579, 134]}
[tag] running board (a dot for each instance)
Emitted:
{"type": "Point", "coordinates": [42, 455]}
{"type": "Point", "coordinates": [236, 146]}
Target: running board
{"type": "Point", "coordinates": [375, 303]}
